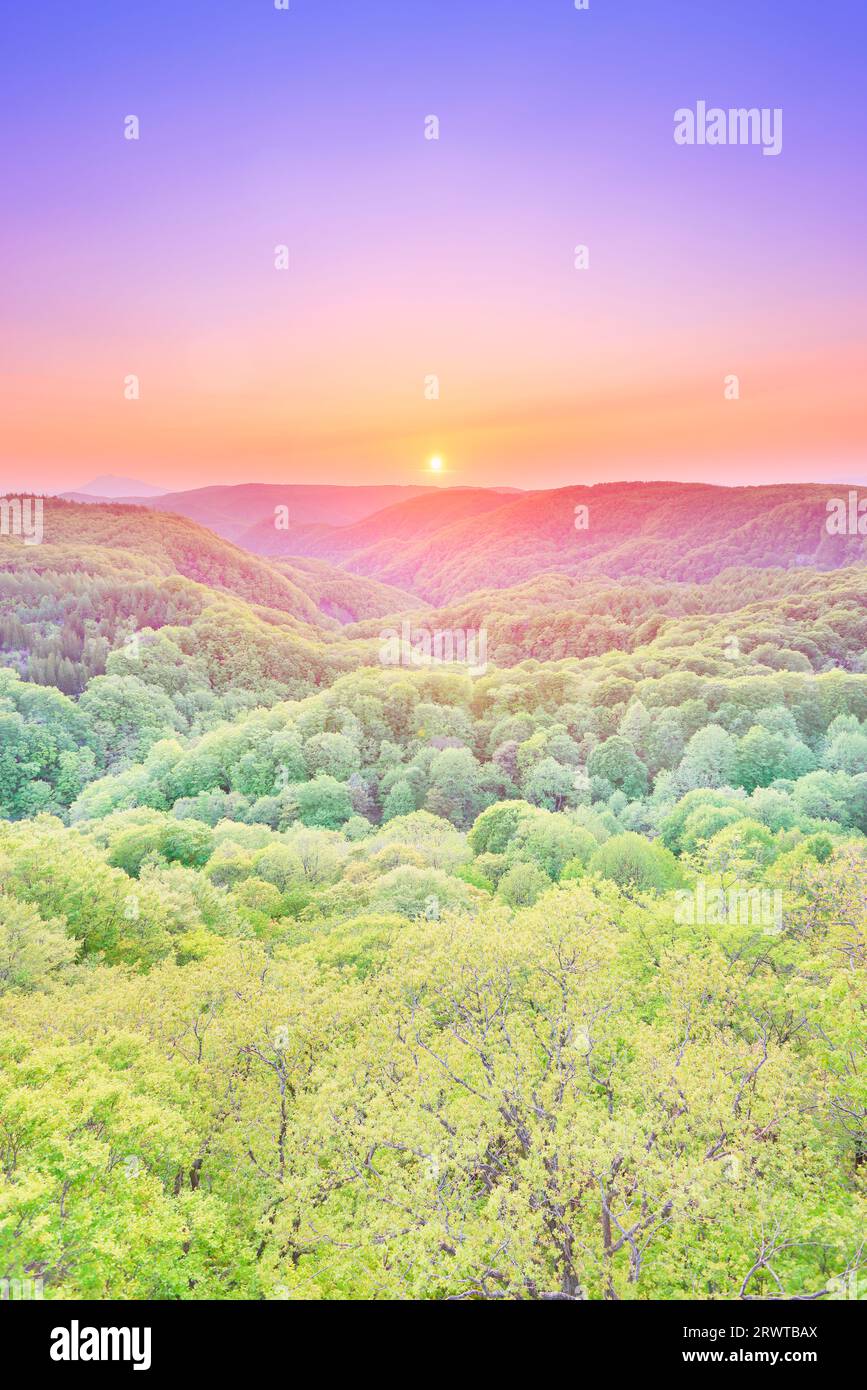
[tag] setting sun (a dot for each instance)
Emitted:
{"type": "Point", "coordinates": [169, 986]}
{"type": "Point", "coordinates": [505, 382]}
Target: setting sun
{"type": "Point", "coordinates": [436, 464]}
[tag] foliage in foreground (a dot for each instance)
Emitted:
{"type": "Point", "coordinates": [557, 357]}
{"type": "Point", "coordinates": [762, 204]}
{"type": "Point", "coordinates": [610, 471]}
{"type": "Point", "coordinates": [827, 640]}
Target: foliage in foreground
{"type": "Point", "coordinates": [577, 1099]}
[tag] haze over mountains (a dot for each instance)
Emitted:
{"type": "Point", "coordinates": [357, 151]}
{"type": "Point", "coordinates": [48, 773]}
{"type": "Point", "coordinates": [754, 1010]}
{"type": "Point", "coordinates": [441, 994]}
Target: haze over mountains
{"type": "Point", "coordinates": [108, 485]}
{"type": "Point", "coordinates": [440, 544]}
{"type": "Point", "coordinates": [674, 562]}
{"type": "Point", "coordinates": [672, 531]}
{"type": "Point", "coordinates": [232, 510]}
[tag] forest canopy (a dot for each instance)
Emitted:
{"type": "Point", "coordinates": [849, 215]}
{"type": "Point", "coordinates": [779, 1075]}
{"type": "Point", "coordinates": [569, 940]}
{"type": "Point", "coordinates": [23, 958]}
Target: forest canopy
{"type": "Point", "coordinates": [327, 979]}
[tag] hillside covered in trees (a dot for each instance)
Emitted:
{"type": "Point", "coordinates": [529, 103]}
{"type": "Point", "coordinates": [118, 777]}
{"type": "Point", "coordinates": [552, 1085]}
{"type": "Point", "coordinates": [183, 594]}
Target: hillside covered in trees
{"type": "Point", "coordinates": [445, 547]}
{"type": "Point", "coordinates": [325, 976]}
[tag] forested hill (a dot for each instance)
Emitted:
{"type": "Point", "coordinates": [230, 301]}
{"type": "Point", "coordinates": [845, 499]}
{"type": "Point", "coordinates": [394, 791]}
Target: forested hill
{"type": "Point", "coordinates": [404, 523]}
{"type": "Point", "coordinates": [452, 544]}
{"type": "Point", "coordinates": [796, 619]}
{"type": "Point", "coordinates": [268, 628]}
{"type": "Point", "coordinates": [172, 544]}
{"type": "Point", "coordinates": [121, 590]}
{"type": "Point", "coordinates": [346, 597]}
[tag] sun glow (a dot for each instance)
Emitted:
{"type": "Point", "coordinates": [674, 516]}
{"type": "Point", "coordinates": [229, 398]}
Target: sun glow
{"type": "Point", "coordinates": [436, 464]}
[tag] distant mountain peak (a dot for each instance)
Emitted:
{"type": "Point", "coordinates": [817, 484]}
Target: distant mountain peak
{"type": "Point", "coordinates": [109, 485]}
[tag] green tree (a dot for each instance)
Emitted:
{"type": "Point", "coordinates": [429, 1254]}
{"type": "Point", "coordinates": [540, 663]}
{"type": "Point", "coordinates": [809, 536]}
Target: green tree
{"type": "Point", "coordinates": [324, 802]}
{"type": "Point", "coordinates": [618, 764]}
{"type": "Point", "coordinates": [399, 802]}
{"type": "Point", "coordinates": [521, 885]}
{"type": "Point", "coordinates": [633, 862]}
{"type": "Point", "coordinates": [30, 950]}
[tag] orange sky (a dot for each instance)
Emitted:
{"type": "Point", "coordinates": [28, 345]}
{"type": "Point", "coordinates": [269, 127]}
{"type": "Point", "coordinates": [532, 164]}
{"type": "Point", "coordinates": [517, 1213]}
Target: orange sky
{"type": "Point", "coordinates": [411, 258]}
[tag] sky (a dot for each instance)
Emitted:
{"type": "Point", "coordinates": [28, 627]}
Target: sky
{"type": "Point", "coordinates": [412, 258]}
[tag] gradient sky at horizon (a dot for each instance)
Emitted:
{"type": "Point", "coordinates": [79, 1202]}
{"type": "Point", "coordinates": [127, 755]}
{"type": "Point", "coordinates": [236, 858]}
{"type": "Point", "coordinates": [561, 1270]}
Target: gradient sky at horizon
{"type": "Point", "coordinates": [412, 257]}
